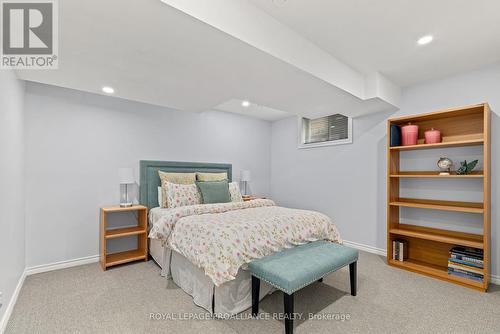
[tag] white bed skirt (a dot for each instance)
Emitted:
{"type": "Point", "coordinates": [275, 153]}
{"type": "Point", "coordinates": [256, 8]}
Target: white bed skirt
{"type": "Point", "coordinates": [230, 298]}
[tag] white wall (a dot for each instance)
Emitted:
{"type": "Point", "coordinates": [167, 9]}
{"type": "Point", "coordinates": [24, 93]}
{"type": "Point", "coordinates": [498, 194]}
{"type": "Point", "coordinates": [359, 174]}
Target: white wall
{"type": "Point", "coordinates": [348, 182]}
{"type": "Point", "coordinates": [12, 234]}
{"type": "Point", "coordinates": [76, 141]}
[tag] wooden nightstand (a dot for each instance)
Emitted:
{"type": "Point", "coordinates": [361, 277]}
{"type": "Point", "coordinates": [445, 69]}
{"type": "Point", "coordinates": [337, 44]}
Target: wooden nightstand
{"type": "Point", "coordinates": [247, 198]}
{"type": "Point", "coordinates": [141, 253]}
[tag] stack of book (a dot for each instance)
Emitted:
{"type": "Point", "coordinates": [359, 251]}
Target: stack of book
{"type": "Point", "coordinates": [467, 263]}
{"type": "Point", "coordinates": [399, 250]}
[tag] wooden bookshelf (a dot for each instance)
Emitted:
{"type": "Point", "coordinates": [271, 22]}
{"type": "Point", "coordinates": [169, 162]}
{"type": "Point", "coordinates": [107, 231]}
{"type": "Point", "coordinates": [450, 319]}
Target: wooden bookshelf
{"type": "Point", "coordinates": [428, 248]}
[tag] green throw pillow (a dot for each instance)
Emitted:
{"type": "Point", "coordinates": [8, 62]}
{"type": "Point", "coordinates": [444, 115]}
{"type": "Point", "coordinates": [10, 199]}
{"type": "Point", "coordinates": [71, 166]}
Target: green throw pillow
{"type": "Point", "coordinates": [214, 191]}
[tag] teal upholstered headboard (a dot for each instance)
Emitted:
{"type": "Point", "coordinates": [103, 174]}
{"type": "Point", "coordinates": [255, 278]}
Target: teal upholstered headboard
{"type": "Point", "coordinates": [150, 181]}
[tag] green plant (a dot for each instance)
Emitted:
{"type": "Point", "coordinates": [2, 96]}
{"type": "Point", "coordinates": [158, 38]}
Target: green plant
{"type": "Point", "coordinates": [466, 168]}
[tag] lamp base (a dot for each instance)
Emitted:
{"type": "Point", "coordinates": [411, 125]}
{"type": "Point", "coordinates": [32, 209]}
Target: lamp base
{"type": "Point", "coordinates": [126, 205]}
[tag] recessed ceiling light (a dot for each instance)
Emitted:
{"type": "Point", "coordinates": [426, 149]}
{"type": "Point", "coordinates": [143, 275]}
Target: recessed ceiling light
{"type": "Point", "coordinates": [245, 104]}
{"type": "Point", "coordinates": [425, 40]}
{"type": "Point", "coordinates": [108, 90]}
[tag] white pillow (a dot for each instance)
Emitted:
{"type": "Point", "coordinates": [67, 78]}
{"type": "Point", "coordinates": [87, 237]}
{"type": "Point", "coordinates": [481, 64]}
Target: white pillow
{"type": "Point", "coordinates": [182, 195]}
{"type": "Point", "coordinates": [234, 191]}
{"type": "Point", "coordinates": [160, 196]}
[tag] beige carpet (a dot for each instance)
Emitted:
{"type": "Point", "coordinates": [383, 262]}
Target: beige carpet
{"type": "Point", "coordinates": [87, 300]}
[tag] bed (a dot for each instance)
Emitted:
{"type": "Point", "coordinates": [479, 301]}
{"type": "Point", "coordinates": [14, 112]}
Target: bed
{"type": "Point", "coordinates": [222, 286]}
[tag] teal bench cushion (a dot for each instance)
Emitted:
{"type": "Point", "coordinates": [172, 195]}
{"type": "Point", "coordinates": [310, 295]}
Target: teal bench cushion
{"type": "Point", "coordinates": [292, 269]}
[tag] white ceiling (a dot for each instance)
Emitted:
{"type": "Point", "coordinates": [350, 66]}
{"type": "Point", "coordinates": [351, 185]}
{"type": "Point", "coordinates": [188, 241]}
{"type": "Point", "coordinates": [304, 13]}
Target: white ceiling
{"type": "Point", "coordinates": [253, 110]}
{"type": "Point", "coordinates": [151, 52]}
{"type": "Point", "coordinates": [156, 54]}
{"type": "Point", "coordinates": [247, 23]}
{"type": "Point", "coordinates": [381, 35]}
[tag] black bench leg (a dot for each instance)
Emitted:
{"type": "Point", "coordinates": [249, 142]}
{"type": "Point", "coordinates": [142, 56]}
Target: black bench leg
{"type": "Point", "coordinates": [255, 295]}
{"type": "Point", "coordinates": [354, 277]}
{"type": "Point", "coordinates": [288, 313]}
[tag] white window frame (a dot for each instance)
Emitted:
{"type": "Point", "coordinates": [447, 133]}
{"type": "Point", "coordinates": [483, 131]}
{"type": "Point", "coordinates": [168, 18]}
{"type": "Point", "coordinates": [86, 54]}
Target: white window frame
{"type": "Point", "coordinates": [301, 132]}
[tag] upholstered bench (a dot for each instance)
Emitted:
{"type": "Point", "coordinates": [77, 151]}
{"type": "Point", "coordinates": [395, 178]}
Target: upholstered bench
{"type": "Point", "coordinates": [292, 269]}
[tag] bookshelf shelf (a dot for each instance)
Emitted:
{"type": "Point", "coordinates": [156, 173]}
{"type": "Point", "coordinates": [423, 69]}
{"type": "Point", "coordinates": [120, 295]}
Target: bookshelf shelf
{"type": "Point", "coordinates": [470, 207]}
{"type": "Point", "coordinates": [432, 174]}
{"type": "Point", "coordinates": [428, 248]}
{"type": "Point", "coordinates": [439, 272]}
{"type": "Point", "coordinates": [467, 142]}
{"type": "Point", "coordinates": [434, 234]}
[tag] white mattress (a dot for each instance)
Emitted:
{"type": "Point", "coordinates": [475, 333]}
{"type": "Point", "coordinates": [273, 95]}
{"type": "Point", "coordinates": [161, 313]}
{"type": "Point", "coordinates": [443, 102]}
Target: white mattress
{"type": "Point", "coordinates": [230, 298]}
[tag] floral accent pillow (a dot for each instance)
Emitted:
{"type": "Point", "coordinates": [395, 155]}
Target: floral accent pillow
{"type": "Point", "coordinates": [179, 178]}
{"type": "Point", "coordinates": [182, 194]}
{"type": "Point", "coordinates": [234, 191]}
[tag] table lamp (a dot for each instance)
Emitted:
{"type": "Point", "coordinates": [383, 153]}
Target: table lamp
{"type": "Point", "coordinates": [126, 177]}
{"type": "Point", "coordinates": [245, 178]}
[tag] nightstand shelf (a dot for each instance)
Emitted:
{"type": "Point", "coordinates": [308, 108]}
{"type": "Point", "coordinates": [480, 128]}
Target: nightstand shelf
{"type": "Point", "coordinates": [141, 253]}
{"type": "Point", "coordinates": [124, 257]}
{"type": "Point", "coordinates": [124, 232]}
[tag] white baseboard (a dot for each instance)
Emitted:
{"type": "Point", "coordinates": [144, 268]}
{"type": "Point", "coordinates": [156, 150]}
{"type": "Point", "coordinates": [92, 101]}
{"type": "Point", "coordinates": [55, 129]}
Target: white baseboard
{"type": "Point", "coordinates": [12, 302]}
{"type": "Point", "coordinates": [61, 265]}
{"type": "Point", "coordinates": [366, 248]}
{"type": "Point", "coordinates": [494, 279]}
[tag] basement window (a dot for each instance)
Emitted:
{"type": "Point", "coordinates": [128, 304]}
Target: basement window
{"type": "Point", "coordinates": [324, 131]}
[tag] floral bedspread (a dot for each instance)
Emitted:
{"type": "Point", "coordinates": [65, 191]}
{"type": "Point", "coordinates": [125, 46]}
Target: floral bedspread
{"type": "Point", "coordinates": [221, 238]}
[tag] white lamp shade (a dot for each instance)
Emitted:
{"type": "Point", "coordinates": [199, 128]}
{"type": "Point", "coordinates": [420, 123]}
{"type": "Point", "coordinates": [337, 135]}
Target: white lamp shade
{"type": "Point", "coordinates": [245, 176]}
{"type": "Point", "coordinates": [126, 175]}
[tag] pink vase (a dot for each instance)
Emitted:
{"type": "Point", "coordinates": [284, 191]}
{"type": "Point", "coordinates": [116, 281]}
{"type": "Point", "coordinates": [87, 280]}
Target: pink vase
{"type": "Point", "coordinates": [409, 134]}
{"type": "Point", "coordinates": [432, 136]}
